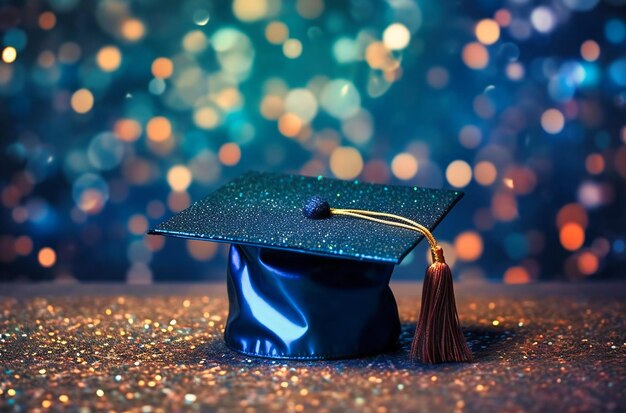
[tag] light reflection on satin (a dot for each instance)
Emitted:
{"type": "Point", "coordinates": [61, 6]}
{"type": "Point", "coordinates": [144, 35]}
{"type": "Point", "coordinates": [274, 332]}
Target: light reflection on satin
{"type": "Point", "coordinates": [292, 305]}
{"type": "Point", "coordinates": [268, 316]}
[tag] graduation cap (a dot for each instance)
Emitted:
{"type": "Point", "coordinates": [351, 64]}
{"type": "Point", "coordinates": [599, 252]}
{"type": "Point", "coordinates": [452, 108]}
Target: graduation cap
{"type": "Point", "coordinates": [310, 263]}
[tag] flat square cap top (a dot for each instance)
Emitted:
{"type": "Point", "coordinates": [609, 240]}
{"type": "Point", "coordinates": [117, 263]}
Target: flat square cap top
{"type": "Point", "coordinates": [265, 209]}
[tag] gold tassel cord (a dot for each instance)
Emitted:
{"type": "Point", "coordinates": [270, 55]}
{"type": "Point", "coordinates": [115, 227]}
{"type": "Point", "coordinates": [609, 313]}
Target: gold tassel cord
{"type": "Point", "coordinates": [409, 224]}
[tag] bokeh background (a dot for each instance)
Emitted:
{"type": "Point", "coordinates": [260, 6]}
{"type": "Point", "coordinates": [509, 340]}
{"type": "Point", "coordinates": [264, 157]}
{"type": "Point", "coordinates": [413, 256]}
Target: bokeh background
{"type": "Point", "coordinates": [116, 114]}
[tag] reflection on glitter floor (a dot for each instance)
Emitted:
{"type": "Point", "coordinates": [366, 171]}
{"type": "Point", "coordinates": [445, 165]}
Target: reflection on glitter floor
{"type": "Point", "coordinates": [98, 350]}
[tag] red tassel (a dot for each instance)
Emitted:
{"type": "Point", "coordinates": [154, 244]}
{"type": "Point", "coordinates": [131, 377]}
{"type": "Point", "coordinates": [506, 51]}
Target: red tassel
{"type": "Point", "coordinates": [438, 336]}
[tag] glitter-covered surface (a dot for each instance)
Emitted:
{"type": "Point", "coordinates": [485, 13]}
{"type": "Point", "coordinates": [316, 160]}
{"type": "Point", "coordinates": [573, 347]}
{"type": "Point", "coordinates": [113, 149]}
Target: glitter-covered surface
{"type": "Point", "coordinates": [159, 348]}
{"type": "Point", "coordinates": [265, 209]}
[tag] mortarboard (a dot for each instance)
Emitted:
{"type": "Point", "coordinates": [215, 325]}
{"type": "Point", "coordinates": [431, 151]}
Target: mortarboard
{"type": "Point", "coordinates": [310, 263]}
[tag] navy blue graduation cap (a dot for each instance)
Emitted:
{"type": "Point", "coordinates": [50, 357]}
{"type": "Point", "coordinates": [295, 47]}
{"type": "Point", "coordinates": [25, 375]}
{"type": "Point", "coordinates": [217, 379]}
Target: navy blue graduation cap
{"type": "Point", "coordinates": [310, 263]}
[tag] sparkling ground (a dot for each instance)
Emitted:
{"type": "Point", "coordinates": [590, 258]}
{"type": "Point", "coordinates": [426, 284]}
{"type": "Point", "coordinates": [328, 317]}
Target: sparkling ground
{"type": "Point", "coordinates": [546, 347]}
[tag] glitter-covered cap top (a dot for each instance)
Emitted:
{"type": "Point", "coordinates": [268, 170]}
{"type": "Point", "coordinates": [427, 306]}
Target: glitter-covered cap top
{"type": "Point", "coordinates": [266, 209]}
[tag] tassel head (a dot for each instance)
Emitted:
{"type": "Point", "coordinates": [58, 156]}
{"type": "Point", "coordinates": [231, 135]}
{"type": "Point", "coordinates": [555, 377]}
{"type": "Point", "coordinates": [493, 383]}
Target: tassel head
{"type": "Point", "coordinates": [438, 336]}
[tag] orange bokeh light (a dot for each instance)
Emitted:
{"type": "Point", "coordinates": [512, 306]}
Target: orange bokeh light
{"type": "Point", "coordinates": [162, 67]}
{"type": "Point", "coordinates": [594, 163]}
{"type": "Point", "coordinates": [475, 55]}
{"type": "Point", "coordinates": [127, 130]}
{"type": "Point", "coordinates": [290, 125]}
{"type": "Point", "coordinates": [516, 275]}
{"type": "Point", "coordinates": [588, 263]}
{"type": "Point", "coordinates": [504, 207]}
{"type": "Point", "coordinates": [47, 257]}
{"type": "Point", "coordinates": [468, 246]}
{"type": "Point", "coordinates": [572, 236]}
{"type": "Point", "coordinates": [230, 154]}
{"type": "Point", "coordinates": [47, 20]}
{"type": "Point", "coordinates": [590, 50]}
{"type": "Point", "coordinates": [159, 129]}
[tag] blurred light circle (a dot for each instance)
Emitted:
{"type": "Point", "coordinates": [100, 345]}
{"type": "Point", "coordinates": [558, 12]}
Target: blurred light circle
{"type": "Point", "coordinates": [588, 263]}
{"type": "Point", "coordinates": [137, 224]}
{"type": "Point", "coordinates": [162, 67]}
{"type": "Point", "coordinates": [105, 151]}
{"type": "Point", "coordinates": [195, 41]}
{"type": "Point", "coordinates": [302, 103]}
{"type": "Point", "coordinates": [594, 163]}
{"type": "Point", "coordinates": [615, 31]}
{"type": "Point", "coordinates": [437, 77]}
{"type": "Point", "coordinates": [159, 129]}
{"type": "Point", "coordinates": [69, 52]}
{"type": "Point", "coordinates": [593, 194]}
{"type": "Point", "coordinates": [250, 10]}
{"type": "Point", "coordinates": [468, 246]}
{"type": "Point", "coordinates": [404, 166]}
{"type": "Point", "coordinates": [234, 51]}
{"type": "Point", "coordinates": [272, 106]}
{"type": "Point", "coordinates": [109, 58]}
{"type": "Point", "coordinates": [485, 173]}
{"type": "Point", "coordinates": [516, 275]}
{"type": "Point", "coordinates": [47, 20]}
{"type": "Point", "coordinates": [82, 101]}
{"type": "Point", "coordinates": [290, 125]}
{"type": "Point", "coordinates": [179, 177]}
{"type": "Point", "coordinates": [292, 48]}
{"type": "Point", "coordinates": [487, 31]}
{"type": "Point", "coordinates": [475, 56]}
{"type": "Point", "coordinates": [504, 206]}
{"type": "Point", "coordinates": [128, 130]}
{"type": "Point", "coordinates": [590, 50]}
{"type": "Point", "coordinates": [396, 36]}
{"type": "Point", "coordinates": [133, 29]}
{"type": "Point", "coordinates": [543, 19]}
{"type": "Point", "coordinates": [572, 236]}
{"type": "Point", "coordinates": [9, 54]}
{"type": "Point", "coordinates": [470, 136]}
{"type": "Point", "coordinates": [459, 173]}
{"type": "Point", "coordinates": [345, 50]}
{"type": "Point", "coordinates": [358, 128]}
{"type": "Point", "coordinates": [206, 117]}
{"type": "Point", "coordinates": [201, 250]}
{"type": "Point", "coordinates": [229, 154]}
{"type": "Point", "coordinates": [552, 121]}
{"type": "Point", "coordinates": [310, 9]}
{"type": "Point", "coordinates": [90, 193]}
{"type": "Point", "coordinates": [346, 162]}
{"type": "Point", "coordinates": [178, 200]}
{"type": "Point", "coordinates": [47, 257]}
{"type": "Point", "coordinates": [617, 72]}
{"type": "Point", "coordinates": [580, 5]}
{"type": "Point", "coordinates": [205, 167]}
{"type": "Point", "coordinates": [276, 32]}
{"type": "Point", "coordinates": [340, 98]}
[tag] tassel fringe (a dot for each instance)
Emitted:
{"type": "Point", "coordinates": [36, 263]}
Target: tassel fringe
{"type": "Point", "coordinates": [438, 336]}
